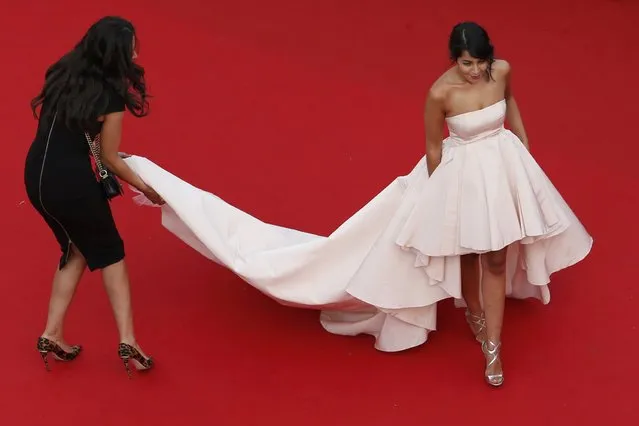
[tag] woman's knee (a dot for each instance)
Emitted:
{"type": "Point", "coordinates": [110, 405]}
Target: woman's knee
{"type": "Point", "coordinates": [75, 254]}
{"type": "Point", "coordinates": [494, 262]}
{"type": "Point", "coordinates": [469, 259]}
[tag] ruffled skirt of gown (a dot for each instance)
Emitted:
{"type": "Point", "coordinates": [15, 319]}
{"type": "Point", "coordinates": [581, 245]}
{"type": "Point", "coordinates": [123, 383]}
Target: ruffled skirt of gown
{"type": "Point", "coordinates": [383, 271]}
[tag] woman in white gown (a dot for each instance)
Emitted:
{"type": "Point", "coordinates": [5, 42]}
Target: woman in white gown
{"type": "Point", "coordinates": [488, 193]}
{"type": "Point", "coordinates": [478, 214]}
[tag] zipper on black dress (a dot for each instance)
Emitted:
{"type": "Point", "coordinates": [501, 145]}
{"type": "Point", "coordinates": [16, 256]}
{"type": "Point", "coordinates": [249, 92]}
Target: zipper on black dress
{"type": "Point", "coordinates": [44, 160]}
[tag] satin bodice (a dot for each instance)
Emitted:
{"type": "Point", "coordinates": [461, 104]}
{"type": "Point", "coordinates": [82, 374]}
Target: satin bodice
{"type": "Point", "coordinates": [477, 125]}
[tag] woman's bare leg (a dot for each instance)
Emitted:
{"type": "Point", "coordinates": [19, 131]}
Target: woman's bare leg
{"type": "Point", "coordinates": [65, 283]}
{"type": "Point", "coordinates": [471, 293]}
{"type": "Point", "coordinates": [494, 295]}
{"type": "Point", "coordinates": [116, 283]}
{"type": "Point", "coordinates": [470, 282]}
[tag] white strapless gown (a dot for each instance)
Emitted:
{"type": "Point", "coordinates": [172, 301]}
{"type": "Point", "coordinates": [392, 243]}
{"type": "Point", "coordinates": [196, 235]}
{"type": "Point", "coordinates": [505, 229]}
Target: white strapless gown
{"type": "Point", "coordinates": [383, 271]}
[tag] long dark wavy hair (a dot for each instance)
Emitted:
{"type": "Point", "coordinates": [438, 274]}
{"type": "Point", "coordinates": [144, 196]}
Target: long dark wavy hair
{"type": "Point", "coordinates": [78, 85]}
{"type": "Point", "coordinates": [471, 37]}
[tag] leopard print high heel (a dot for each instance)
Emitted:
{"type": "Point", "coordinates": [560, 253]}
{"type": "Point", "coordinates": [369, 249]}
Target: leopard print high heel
{"type": "Point", "coordinates": [46, 346]}
{"type": "Point", "coordinates": [128, 353]}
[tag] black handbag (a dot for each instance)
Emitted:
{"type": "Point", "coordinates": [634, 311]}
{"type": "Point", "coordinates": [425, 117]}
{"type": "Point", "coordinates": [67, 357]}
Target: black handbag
{"type": "Point", "coordinates": [109, 182]}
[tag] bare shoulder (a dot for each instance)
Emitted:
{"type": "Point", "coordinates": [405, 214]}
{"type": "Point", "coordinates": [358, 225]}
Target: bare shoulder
{"type": "Point", "coordinates": [438, 92]}
{"type": "Point", "coordinates": [501, 68]}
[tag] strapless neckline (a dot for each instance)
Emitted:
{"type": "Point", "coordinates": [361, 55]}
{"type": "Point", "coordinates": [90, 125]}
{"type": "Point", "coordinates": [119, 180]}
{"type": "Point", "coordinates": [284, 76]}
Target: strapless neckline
{"type": "Point", "coordinates": [477, 110]}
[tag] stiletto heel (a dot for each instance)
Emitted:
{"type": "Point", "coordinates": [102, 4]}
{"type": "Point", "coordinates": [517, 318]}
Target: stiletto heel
{"type": "Point", "coordinates": [477, 325]}
{"type": "Point", "coordinates": [45, 346]}
{"type": "Point", "coordinates": [128, 353]}
{"type": "Point", "coordinates": [126, 367]}
{"type": "Point", "coordinates": [491, 352]}
{"type": "Point", "coordinates": [44, 356]}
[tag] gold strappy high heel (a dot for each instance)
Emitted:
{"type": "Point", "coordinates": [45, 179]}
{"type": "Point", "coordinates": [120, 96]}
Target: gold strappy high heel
{"type": "Point", "coordinates": [477, 325]}
{"type": "Point", "coordinates": [491, 352]}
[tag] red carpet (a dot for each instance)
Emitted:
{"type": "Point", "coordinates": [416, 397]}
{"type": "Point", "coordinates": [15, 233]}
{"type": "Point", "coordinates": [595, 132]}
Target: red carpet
{"type": "Point", "coordinates": [298, 112]}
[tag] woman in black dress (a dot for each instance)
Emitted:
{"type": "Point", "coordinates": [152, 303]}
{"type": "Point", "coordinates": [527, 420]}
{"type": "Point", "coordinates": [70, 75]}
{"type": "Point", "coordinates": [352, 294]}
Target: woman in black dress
{"type": "Point", "coordinates": [87, 90]}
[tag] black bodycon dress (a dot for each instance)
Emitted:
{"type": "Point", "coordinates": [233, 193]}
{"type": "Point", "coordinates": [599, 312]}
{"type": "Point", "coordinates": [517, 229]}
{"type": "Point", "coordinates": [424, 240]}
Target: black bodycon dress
{"type": "Point", "coordinates": [62, 186]}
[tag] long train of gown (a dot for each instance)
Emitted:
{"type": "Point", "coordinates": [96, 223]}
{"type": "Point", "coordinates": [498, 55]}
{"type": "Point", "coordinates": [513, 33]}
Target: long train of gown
{"type": "Point", "coordinates": [383, 271]}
